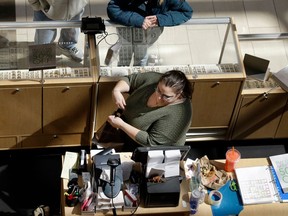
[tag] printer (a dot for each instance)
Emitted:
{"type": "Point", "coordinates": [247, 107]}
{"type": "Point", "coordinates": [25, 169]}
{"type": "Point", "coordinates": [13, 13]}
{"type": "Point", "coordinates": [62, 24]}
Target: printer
{"type": "Point", "coordinates": [164, 164]}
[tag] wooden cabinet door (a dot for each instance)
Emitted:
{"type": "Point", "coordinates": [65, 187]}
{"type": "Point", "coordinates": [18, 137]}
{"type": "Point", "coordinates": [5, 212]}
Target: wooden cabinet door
{"type": "Point", "coordinates": [52, 140]}
{"type": "Point", "coordinates": [259, 116]}
{"type": "Point", "coordinates": [66, 109]}
{"type": "Point", "coordinates": [282, 131]}
{"type": "Point", "coordinates": [213, 103]}
{"type": "Point", "coordinates": [105, 105]}
{"type": "Point", "coordinates": [20, 110]}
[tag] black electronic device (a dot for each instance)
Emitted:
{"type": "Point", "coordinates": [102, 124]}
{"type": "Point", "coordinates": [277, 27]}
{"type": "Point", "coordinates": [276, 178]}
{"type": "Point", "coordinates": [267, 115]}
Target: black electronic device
{"type": "Point", "coordinates": [92, 25]}
{"type": "Point", "coordinates": [162, 194]}
{"type": "Point", "coordinates": [112, 188]}
{"type": "Point", "coordinates": [112, 163]}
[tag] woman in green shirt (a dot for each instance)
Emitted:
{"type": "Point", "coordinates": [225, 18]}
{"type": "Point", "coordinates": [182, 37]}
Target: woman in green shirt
{"type": "Point", "coordinates": [158, 110]}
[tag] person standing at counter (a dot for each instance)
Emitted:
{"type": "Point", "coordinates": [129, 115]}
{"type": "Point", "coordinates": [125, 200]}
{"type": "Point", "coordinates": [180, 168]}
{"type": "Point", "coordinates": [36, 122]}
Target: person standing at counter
{"type": "Point", "coordinates": [144, 19]}
{"type": "Point", "coordinates": [158, 110]}
{"type": "Point", "coordinates": [59, 10]}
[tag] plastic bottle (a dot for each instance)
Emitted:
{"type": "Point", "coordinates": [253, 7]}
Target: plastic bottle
{"type": "Point", "coordinates": [194, 201]}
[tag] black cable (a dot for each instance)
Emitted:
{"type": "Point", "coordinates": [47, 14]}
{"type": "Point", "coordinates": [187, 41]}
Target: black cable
{"type": "Point", "coordinates": [134, 211]}
{"type": "Point", "coordinates": [102, 37]}
{"type": "Point", "coordinates": [113, 205]}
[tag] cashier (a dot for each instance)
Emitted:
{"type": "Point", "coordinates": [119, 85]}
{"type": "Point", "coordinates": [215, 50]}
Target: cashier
{"type": "Point", "coordinates": [158, 110]}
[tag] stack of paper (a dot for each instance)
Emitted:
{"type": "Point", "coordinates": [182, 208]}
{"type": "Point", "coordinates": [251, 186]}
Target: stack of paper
{"type": "Point", "coordinates": [105, 203]}
{"type": "Point", "coordinates": [155, 166]}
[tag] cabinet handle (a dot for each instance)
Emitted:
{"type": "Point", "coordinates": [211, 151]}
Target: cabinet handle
{"type": "Point", "coordinates": [67, 88]}
{"type": "Point", "coordinates": [265, 95]}
{"type": "Point", "coordinates": [16, 91]}
{"type": "Point", "coordinates": [216, 84]}
{"type": "Point", "coordinates": [55, 136]}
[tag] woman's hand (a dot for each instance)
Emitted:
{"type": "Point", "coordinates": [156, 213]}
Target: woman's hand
{"type": "Point", "coordinates": [118, 99]}
{"type": "Point", "coordinates": [115, 121]}
{"type": "Point", "coordinates": [149, 22]}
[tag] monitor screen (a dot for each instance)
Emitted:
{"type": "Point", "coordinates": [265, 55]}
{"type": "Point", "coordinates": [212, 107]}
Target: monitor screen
{"type": "Point", "coordinates": [255, 67]}
{"type": "Point", "coordinates": [140, 153]}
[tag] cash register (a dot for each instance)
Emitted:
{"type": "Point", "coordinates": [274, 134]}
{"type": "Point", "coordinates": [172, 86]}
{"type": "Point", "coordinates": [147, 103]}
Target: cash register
{"type": "Point", "coordinates": [162, 192]}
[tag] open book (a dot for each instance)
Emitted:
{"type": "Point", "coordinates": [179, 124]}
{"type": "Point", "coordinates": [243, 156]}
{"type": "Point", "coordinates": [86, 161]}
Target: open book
{"type": "Point", "coordinates": [256, 185]}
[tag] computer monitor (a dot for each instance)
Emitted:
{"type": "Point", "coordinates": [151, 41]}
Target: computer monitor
{"type": "Point", "coordinates": [256, 67]}
{"type": "Point", "coordinates": [140, 153]}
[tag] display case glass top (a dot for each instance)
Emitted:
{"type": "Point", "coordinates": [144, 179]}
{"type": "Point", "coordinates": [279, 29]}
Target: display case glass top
{"type": "Point", "coordinates": [24, 57]}
{"type": "Point", "coordinates": [125, 50]}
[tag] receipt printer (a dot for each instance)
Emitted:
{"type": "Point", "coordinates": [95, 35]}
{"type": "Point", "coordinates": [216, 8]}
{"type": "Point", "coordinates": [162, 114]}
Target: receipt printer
{"type": "Point", "coordinates": [162, 194]}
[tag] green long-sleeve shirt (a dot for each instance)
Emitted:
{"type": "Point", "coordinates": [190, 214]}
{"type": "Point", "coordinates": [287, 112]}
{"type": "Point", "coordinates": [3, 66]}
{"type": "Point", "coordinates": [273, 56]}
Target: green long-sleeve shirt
{"type": "Point", "coordinates": [158, 125]}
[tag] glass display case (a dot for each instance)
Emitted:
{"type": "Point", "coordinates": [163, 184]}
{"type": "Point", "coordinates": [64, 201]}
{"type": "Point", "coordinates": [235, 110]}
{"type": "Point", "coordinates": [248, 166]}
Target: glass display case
{"type": "Point", "coordinates": [179, 47]}
{"type": "Point", "coordinates": [21, 56]}
{"type": "Point", "coordinates": [53, 100]}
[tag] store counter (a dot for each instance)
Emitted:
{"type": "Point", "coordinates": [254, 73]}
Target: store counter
{"type": "Point", "coordinates": [183, 208]}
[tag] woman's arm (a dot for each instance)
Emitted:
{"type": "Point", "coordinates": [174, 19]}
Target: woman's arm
{"type": "Point", "coordinates": [175, 12]}
{"type": "Point", "coordinates": [117, 96]}
{"type": "Point", "coordinates": [121, 11]}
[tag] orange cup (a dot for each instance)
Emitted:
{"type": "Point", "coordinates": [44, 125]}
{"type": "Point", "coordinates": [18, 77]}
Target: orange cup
{"type": "Point", "coordinates": [232, 157]}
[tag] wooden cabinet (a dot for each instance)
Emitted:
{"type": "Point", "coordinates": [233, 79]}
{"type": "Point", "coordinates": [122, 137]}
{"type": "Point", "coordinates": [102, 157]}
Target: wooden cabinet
{"type": "Point", "coordinates": [213, 103]}
{"type": "Point", "coordinates": [21, 110]}
{"type": "Point", "coordinates": [259, 115]}
{"type": "Point", "coordinates": [8, 142]}
{"type": "Point", "coordinates": [66, 109]}
{"type": "Point", "coordinates": [46, 115]}
{"type": "Point", "coordinates": [282, 131]}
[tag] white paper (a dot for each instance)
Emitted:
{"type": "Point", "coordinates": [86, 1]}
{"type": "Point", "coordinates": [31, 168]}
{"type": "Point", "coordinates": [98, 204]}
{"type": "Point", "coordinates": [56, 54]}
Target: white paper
{"type": "Point", "coordinates": [70, 160]}
{"type": "Point", "coordinates": [154, 160]}
{"type": "Point", "coordinates": [172, 163]}
{"type": "Point", "coordinates": [172, 169]}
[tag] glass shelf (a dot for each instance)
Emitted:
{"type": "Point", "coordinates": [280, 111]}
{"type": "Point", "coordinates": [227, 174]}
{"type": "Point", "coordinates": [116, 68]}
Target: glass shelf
{"type": "Point", "coordinates": [175, 47]}
{"type": "Point", "coordinates": [17, 56]}
{"type": "Point", "coordinates": [179, 47]}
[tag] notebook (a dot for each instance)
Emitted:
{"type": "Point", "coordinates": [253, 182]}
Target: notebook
{"type": "Point", "coordinates": [282, 196]}
{"type": "Point", "coordinates": [256, 185]}
{"type": "Point", "coordinates": [280, 164]}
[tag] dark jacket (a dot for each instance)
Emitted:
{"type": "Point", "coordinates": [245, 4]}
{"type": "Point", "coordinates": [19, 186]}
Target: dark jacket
{"type": "Point", "coordinates": [133, 12]}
